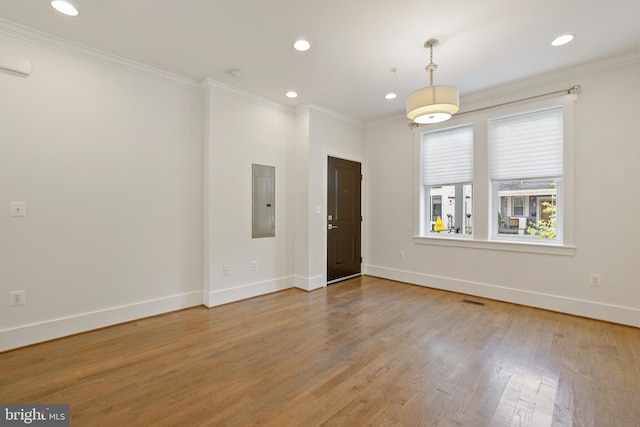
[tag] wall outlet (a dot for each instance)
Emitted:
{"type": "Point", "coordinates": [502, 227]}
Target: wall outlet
{"type": "Point", "coordinates": [18, 209]}
{"type": "Point", "coordinates": [17, 298]}
{"type": "Point", "coordinates": [226, 270]}
{"type": "Point", "coordinates": [401, 254]}
{"type": "Point", "coordinates": [254, 265]}
{"type": "Point", "coordinates": [594, 279]}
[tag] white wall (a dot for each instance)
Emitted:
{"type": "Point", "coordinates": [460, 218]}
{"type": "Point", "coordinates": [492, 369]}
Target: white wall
{"type": "Point", "coordinates": [319, 134]}
{"type": "Point", "coordinates": [302, 204]}
{"type": "Point", "coordinates": [243, 131]}
{"type": "Point", "coordinates": [606, 157]}
{"type": "Point", "coordinates": [298, 146]}
{"type": "Point", "coordinates": [107, 157]}
{"type": "Point", "coordinates": [331, 135]}
{"type": "Point", "coordinates": [138, 190]}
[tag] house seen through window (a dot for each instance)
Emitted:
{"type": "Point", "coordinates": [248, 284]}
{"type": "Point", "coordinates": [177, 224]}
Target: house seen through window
{"type": "Point", "coordinates": [526, 172]}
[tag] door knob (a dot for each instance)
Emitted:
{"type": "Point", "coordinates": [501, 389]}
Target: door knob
{"type": "Point", "coordinates": [331, 226]}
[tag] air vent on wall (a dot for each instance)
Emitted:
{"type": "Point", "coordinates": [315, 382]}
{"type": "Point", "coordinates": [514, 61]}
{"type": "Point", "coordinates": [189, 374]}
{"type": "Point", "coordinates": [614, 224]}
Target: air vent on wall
{"type": "Point", "coordinates": [15, 65]}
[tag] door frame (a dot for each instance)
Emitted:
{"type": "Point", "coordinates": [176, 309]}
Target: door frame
{"type": "Point", "coordinates": [325, 188]}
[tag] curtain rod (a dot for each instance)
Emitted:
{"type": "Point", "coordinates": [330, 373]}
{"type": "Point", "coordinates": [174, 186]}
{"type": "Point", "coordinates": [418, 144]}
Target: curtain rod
{"type": "Point", "coordinates": [568, 91]}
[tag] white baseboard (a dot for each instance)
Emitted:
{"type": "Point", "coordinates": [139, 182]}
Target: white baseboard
{"type": "Point", "coordinates": [47, 330]}
{"type": "Point", "coordinates": [225, 296]}
{"type": "Point", "coordinates": [21, 336]}
{"type": "Point", "coordinates": [592, 309]}
{"type": "Point", "coordinates": [309, 283]}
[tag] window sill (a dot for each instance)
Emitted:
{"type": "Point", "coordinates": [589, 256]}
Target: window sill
{"type": "Point", "coordinates": [519, 246]}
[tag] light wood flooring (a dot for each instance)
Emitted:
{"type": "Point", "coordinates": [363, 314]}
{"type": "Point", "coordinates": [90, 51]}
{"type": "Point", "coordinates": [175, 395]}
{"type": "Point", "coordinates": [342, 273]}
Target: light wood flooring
{"type": "Point", "coordinates": [365, 352]}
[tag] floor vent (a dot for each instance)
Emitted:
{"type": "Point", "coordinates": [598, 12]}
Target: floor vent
{"type": "Point", "coordinates": [468, 301]}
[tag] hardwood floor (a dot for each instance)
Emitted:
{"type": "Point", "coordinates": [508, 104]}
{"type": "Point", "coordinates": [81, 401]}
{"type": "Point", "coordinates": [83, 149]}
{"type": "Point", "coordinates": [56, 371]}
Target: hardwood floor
{"type": "Point", "coordinates": [363, 352]}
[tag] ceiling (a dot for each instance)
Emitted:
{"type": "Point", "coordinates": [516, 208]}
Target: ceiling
{"type": "Point", "coordinates": [355, 44]}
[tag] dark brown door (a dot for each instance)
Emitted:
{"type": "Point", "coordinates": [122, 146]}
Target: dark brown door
{"type": "Point", "coordinates": [343, 219]}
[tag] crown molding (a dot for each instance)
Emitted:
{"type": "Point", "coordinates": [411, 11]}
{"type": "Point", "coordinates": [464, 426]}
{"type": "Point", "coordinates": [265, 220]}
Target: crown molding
{"type": "Point", "coordinates": [329, 113]}
{"type": "Point", "coordinates": [387, 120]}
{"type": "Point", "coordinates": [208, 84]}
{"type": "Point", "coordinates": [50, 41]}
{"type": "Point", "coordinates": [548, 80]}
{"type": "Point", "coordinates": [514, 90]}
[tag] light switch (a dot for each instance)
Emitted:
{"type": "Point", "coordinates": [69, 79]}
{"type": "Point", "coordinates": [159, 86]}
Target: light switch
{"type": "Point", "coordinates": [317, 209]}
{"type": "Point", "coordinates": [18, 209]}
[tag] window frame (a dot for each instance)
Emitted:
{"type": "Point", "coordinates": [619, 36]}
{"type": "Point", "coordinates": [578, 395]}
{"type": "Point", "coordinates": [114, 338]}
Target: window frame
{"type": "Point", "coordinates": [424, 196]}
{"type": "Point", "coordinates": [483, 200]}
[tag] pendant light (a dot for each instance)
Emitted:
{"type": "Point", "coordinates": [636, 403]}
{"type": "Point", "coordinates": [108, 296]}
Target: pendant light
{"type": "Point", "coordinates": [432, 104]}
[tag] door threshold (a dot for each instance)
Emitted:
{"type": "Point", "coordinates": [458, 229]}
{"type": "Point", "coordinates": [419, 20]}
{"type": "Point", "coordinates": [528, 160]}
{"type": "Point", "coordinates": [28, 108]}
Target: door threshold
{"type": "Point", "coordinates": [331, 282]}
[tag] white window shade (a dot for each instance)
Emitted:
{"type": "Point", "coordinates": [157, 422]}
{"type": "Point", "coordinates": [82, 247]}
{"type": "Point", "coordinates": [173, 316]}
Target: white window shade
{"type": "Point", "coordinates": [527, 145]}
{"type": "Point", "coordinates": [448, 156]}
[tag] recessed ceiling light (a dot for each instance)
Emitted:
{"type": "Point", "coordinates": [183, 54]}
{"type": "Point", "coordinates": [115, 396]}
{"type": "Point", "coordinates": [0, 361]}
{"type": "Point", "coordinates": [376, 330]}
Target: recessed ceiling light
{"type": "Point", "coordinates": [291, 94]}
{"type": "Point", "coordinates": [390, 95]}
{"type": "Point", "coordinates": [564, 39]}
{"type": "Point", "coordinates": [301, 45]}
{"type": "Point", "coordinates": [64, 7]}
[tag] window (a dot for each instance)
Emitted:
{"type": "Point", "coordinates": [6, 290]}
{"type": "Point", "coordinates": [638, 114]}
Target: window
{"type": "Point", "coordinates": [447, 174]}
{"type": "Point", "coordinates": [518, 206]}
{"type": "Point", "coordinates": [436, 208]}
{"type": "Point", "coordinates": [518, 193]}
{"type": "Point", "coordinates": [527, 169]}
